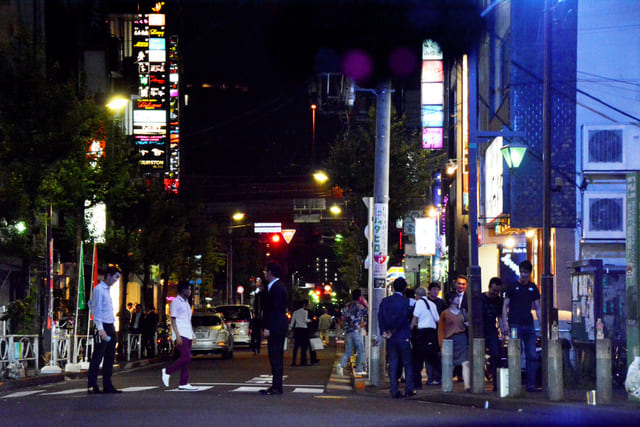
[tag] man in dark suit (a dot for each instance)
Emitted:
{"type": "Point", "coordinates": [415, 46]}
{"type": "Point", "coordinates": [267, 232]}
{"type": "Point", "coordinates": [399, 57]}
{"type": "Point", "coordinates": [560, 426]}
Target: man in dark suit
{"type": "Point", "coordinates": [394, 319]}
{"type": "Point", "coordinates": [274, 323]}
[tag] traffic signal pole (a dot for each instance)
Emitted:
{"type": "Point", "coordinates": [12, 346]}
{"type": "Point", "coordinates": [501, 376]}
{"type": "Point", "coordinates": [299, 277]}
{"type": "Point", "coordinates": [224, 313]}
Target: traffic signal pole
{"type": "Point", "coordinates": [380, 228]}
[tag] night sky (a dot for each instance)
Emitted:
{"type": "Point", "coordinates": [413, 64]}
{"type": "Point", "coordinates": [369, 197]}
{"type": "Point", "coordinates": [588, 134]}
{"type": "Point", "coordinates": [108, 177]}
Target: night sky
{"type": "Point", "coordinates": [258, 57]}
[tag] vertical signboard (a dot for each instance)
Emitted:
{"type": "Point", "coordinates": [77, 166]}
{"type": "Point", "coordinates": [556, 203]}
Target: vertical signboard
{"type": "Point", "coordinates": [633, 261]}
{"type": "Point", "coordinates": [380, 258]}
{"type": "Point", "coordinates": [150, 110]}
{"type": "Point", "coordinates": [432, 95]}
{"type": "Point", "coordinates": [172, 172]}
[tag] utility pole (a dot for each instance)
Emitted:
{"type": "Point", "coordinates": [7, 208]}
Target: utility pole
{"type": "Point", "coordinates": [380, 226]}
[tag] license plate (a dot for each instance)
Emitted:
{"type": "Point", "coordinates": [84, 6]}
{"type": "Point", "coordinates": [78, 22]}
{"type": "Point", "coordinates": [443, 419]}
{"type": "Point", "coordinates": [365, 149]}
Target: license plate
{"type": "Point", "coordinates": [201, 335]}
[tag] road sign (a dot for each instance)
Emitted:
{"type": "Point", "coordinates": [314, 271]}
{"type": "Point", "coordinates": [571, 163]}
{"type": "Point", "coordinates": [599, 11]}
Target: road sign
{"type": "Point", "coordinates": [240, 289]}
{"type": "Point", "coordinates": [267, 227]}
{"type": "Point", "coordinates": [288, 235]}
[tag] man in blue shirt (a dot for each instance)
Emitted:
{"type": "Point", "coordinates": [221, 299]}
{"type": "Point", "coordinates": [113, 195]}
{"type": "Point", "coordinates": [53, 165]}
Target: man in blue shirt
{"type": "Point", "coordinates": [394, 319]}
{"type": "Point", "coordinates": [104, 341]}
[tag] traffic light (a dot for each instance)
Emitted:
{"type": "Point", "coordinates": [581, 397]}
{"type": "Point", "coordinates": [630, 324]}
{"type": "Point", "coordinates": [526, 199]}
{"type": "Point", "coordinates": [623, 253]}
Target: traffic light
{"type": "Point", "coordinates": [275, 238]}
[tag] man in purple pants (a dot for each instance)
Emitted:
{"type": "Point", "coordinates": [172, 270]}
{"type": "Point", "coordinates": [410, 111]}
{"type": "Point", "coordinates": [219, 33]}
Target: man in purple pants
{"type": "Point", "coordinates": [182, 333]}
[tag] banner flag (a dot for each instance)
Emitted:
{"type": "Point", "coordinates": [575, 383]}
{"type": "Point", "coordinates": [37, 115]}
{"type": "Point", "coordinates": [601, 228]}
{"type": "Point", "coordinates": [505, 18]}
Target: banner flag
{"type": "Point", "coordinates": [81, 298]}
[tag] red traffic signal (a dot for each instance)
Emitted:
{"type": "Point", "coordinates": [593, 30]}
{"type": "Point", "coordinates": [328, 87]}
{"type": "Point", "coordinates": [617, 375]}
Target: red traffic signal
{"type": "Point", "coordinates": [275, 238]}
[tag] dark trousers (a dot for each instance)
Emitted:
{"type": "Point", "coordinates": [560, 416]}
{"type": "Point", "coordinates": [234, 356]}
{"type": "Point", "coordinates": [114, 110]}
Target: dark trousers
{"type": "Point", "coordinates": [425, 350]}
{"type": "Point", "coordinates": [275, 348]}
{"type": "Point", "coordinates": [399, 352]}
{"type": "Point", "coordinates": [300, 341]}
{"type": "Point", "coordinates": [527, 335]}
{"type": "Point", "coordinates": [148, 343]}
{"type": "Point", "coordinates": [183, 361]}
{"type": "Point", "coordinates": [102, 350]}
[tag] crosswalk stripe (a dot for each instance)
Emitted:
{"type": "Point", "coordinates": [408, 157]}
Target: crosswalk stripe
{"type": "Point", "coordinates": [308, 390]}
{"type": "Point", "coordinates": [131, 389]}
{"type": "Point", "coordinates": [248, 389]}
{"type": "Point", "coordinates": [70, 391]}
{"type": "Point", "coordinates": [22, 393]}
{"type": "Point", "coordinates": [201, 388]}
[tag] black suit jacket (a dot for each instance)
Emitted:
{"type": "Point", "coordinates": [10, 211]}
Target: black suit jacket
{"type": "Point", "coordinates": [275, 309]}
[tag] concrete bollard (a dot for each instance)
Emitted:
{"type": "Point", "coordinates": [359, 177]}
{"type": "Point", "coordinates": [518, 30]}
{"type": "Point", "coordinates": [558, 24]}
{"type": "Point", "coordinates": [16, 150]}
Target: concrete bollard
{"type": "Point", "coordinates": [447, 365]}
{"type": "Point", "coordinates": [603, 371]}
{"type": "Point", "coordinates": [554, 377]}
{"type": "Point", "coordinates": [477, 374]}
{"type": "Point", "coordinates": [515, 371]}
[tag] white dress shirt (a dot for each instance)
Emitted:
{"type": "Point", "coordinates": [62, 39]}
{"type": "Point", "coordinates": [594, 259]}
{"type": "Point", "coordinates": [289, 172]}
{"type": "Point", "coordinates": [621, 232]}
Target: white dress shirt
{"type": "Point", "coordinates": [300, 318]}
{"type": "Point", "coordinates": [101, 306]}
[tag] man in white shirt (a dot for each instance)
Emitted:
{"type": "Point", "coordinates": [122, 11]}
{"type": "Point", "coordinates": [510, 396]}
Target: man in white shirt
{"type": "Point", "coordinates": [182, 333]}
{"type": "Point", "coordinates": [299, 325]}
{"type": "Point", "coordinates": [424, 338]}
{"type": "Point", "coordinates": [105, 338]}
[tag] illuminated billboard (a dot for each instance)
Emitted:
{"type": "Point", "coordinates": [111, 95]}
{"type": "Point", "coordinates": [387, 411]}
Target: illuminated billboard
{"type": "Point", "coordinates": [432, 96]}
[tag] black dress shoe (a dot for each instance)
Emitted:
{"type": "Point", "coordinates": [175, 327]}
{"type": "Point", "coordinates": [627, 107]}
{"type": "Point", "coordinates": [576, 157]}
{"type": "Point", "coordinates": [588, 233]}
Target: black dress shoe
{"type": "Point", "coordinates": [397, 395]}
{"type": "Point", "coordinates": [270, 391]}
{"type": "Point", "coordinates": [411, 393]}
{"type": "Point", "coordinates": [111, 390]}
{"type": "Point", "coordinates": [93, 390]}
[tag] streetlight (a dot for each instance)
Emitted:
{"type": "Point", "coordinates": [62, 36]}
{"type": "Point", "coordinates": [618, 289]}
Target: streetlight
{"type": "Point", "coordinates": [320, 177]}
{"type": "Point", "coordinates": [513, 154]}
{"type": "Point", "coordinates": [237, 217]}
{"type": "Point", "coordinates": [314, 107]}
{"type": "Point", "coordinates": [117, 103]}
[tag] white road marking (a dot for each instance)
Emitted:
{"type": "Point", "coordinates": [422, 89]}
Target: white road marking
{"type": "Point", "coordinates": [21, 394]}
{"type": "Point", "coordinates": [248, 389]}
{"type": "Point", "coordinates": [198, 389]}
{"type": "Point", "coordinates": [130, 389]}
{"type": "Point", "coordinates": [307, 390]}
{"type": "Point", "coordinates": [70, 391]}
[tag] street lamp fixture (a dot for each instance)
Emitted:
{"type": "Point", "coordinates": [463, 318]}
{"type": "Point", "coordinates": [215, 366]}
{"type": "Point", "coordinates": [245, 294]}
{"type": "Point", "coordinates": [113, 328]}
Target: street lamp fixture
{"type": "Point", "coordinates": [117, 103]}
{"type": "Point", "coordinates": [513, 154]}
{"type": "Point", "coordinates": [335, 209]}
{"type": "Point", "coordinates": [238, 216]}
{"type": "Point", "coordinates": [320, 177]}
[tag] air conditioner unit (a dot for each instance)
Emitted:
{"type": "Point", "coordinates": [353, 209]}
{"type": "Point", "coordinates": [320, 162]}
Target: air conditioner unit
{"type": "Point", "coordinates": [605, 215]}
{"type": "Point", "coordinates": [610, 148]}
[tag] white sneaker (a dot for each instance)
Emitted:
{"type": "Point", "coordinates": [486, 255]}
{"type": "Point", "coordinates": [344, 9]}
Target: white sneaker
{"type": "Point", "coordinates": [188, 387]}
{"type": "Point", "coordinates": [361, 373]}
{"type": "Point", "coordinates": [165, 377]}
{"type": "Point", "coordinates": [339, 370]}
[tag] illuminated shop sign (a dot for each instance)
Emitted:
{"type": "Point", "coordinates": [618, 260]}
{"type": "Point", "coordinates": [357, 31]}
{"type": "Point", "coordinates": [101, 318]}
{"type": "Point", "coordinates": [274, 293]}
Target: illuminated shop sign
{"type": "Point", "coordinates": [432, 95]}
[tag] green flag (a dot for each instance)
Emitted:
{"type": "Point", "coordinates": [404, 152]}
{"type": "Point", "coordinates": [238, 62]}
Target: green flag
{"type": "Point", "coordinates": [81, 303]}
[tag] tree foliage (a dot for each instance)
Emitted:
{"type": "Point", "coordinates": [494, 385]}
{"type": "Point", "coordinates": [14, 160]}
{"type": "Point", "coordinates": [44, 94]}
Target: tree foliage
{"type": "Point", "coordinates": [351, 166]}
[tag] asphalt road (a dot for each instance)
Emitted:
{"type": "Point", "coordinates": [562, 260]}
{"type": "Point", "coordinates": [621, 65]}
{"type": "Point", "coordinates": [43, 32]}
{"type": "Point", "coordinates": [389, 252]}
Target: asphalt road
{"type": "Point", "coordinates": [228, 396]}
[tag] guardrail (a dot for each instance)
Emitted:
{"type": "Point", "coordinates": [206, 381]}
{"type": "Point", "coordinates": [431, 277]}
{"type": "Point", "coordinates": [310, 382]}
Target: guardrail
{"type": "Point", "coordinates": [82, 348]}
{"type": "Point", "coordinates": [134, 345]}
{"type": "Point", "coordinates": [19, 348]}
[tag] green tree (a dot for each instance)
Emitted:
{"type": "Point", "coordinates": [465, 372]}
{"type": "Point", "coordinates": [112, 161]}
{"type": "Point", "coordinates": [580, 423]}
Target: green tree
{"type": "Point", "coordinates": [351, 166]}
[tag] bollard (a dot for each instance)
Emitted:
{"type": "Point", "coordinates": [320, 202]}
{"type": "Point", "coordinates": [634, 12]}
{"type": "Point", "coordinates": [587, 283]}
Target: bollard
{"type": "Point", "coordinates": [477, 376]}
{"type": "Point", "coordinates": [447, 365]}
{"type": "Point", "coordinates": [603, 370]}
{"type": "Point", "coordinates": [554, 376]}
{"type": "Point", "coordinates": [515, 372]}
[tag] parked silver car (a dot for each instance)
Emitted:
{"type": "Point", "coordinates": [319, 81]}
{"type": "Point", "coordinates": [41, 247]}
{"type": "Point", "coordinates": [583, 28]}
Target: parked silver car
{"type": "Point", "coordinates": [238, 320]}
{"type": "Point", "coordinates": [212, 336]}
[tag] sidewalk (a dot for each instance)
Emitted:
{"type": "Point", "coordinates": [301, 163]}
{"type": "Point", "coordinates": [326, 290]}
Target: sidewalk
{"type": "Point", "coordinates": [573, 398]}
{"type": "Point", "coordinates": [37, 379]}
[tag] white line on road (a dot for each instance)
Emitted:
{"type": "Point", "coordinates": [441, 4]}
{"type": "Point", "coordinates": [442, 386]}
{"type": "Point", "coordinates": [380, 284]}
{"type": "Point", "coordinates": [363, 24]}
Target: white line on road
{"type": "Point", "coordinates": [70, 391]}
{"type": "Point", "coordinates": [21, 393]}
{"type": "Point", "coordinates": [129, 389]}
{"type": "Point", "coordinates": [307, 390]}
{"type": "Point", "coordinates": [184, 391]}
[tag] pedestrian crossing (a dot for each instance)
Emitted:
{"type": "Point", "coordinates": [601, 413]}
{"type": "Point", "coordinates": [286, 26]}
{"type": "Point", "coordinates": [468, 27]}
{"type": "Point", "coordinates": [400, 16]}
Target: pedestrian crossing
{"type": "Point", "coordinates": [251, 386]}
